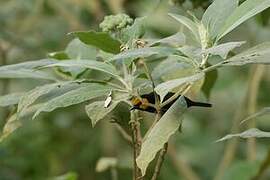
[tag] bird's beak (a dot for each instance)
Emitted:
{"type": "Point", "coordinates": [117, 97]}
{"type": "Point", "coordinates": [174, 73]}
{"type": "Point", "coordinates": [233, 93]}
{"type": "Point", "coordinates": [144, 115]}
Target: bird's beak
{"type": "Point", "coordinates": [132, 108]}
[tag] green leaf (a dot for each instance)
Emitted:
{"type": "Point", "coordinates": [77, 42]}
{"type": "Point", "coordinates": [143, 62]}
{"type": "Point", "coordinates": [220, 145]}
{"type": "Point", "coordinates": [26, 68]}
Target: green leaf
{"type": "Point", "coordinates": [76, 96]}
{"type": "Point", "coordinates": [106, 163]}
{"type": "Point", "coordinates": [28, 65]}
{"type": "Point", "coordinates": [160, 133]}
{"type": "Point", "coordinates": [25, 73]}
{"type": "Point", "coordinates": [135, 31]}
{"type": "Point", "coordinates": [242, 170]}
{"type": "Point", "coordinates": [246, 10]}
{"type": "Point", "coordinates": [163, 88]}
{"type": "Point", "coordinates": [223, 50]}
{"type": "Point", "coordinates": [209, 82]}
{"type": "Point", "coordinates": [96, 65]}
{"type": "Point", "coordinates": [191, 51]}
{"type": "Point", "coordinates": [250, 133]}
{"type": "Point", "coordinates": [173, 67]}
{"type": "Point", "coordinates": [10, 99]}
{"type": "Point", "coordinates": [14, 123]}
{"type": "Point", "coordinates": [143, 53]}
{"type": "Point", "coordinates": [175, 40]}
{"type": "Point", "coordinates": [262, 112]}
{"type": "Point", "coordinates": [100, 40]}
{"type": "Point", "coordinates": [31, 96]}
{"type": "Point", "coordinates": [78, 50]}
{"type": "Point", "coordinates": [256, 55]}
{"type": "Point", "coordinates": [188, 23]}
{"type": "Point", "coordinates": [96, 111]}
{"type": "Point", "coordinates": [216, 14]}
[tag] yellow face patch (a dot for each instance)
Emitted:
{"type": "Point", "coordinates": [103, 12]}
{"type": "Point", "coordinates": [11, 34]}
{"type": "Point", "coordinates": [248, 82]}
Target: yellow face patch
{"type": "Point", "coordinates": [140, 102]}
{"type": "Point", "coordinates": [135, 101]}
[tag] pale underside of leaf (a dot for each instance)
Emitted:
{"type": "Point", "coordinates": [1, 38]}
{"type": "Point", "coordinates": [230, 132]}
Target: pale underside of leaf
{"type": "Point", "coordinates": [160, 134]}
{"type": "Point", "coordinates": [163, 88]}
{"type": "Point", "coordinates": [250, 133]}
{"type": "Point", "coordinates": [25, 73]}
{"type": "Point", "coordinates": [14, 123]}
{"type": "Point", "coordinates": [73, 97]}
{"type": "Point", "coordinates": [31, 96]}
{"type": "Point", "coordinates": [176, 40]}
{"type": "Point", "coordinates": [28, 64]}
{"type": "Point", "coordinates": [223, 50]}
{"type": "Point", "coordinates": [262, 112]}
{"type": "Point", "coordinates": [216, 14]}
{"type": "Point", "coordinates": [246, 10]}
{"type": "Point", "coordinates": [90, 64]}
{"type": "Point", "coordinates": [96, 110]}
{"type": "Point", "coordinates": [188, 24]}
{"type": "Point", "coordinates": [143, 53]}
{"type": "Point", "coordinates": [256, 55]}
{"type": "Point", "coordinates": [10, 99]}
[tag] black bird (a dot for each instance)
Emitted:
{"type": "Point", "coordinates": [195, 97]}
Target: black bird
{"type": "Point", "coordinates": [143, 102]}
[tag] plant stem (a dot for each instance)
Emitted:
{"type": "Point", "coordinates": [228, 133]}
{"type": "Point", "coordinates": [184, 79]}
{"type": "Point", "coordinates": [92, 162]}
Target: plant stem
{"type": "Point", "coordinates": [136, 138]}
{"type": "Point", "coordinates": [124, 134]}
{"type": "Point", "coordinates": [4, 48]}
{"type": "Point", "coordinates": [264, 166]}
{"type": "Point", "coordinates": [255, 79]}
{"type": "Point", "coordinates": [160, 161]}
{"type": "Point", "coordinates": [231, 145]}
{"type": "Point", "coordinates": [182, 167]}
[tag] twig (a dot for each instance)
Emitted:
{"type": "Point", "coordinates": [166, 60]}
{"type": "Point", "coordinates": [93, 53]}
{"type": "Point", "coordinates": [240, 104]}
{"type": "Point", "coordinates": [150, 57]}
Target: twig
{"type": "Point", "coordinates": [124, 134]}
{"type": "Point", "coordinates": [264, 166]}
{"type": "Point", "coordinates": [136, 138]}
{"type": "Point", "coordinates": [160, 160]}
{"type": "Point", "coordinates": [4, 48]}
{"type": "Point", "coordinates": [183, 168]}
{"type": "Point", "coordinates": [254, 83]}
{"type": "Point", "coordinates": [231, 145]}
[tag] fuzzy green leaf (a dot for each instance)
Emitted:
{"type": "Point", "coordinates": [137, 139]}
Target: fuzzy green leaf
{"type": "Point", "coordinates": [10, 99]}
{"type": "Point", "coordinates": [257, 55]}
{"type": "Point", "coordinates": [96, 65]}
{"type": "Point", "coordinates": [223, 50]}
{"type": "Point", "coordinates": [28, 65]}
{"type": "Point", "coordinates": [25, 73]}
{"type": "Point", "coordinates": [216, 14]}
{"type": "Point", "coordinates": [175, 40]}
{"type": "Point", "coordinates": [163, 88]}
{"type": "Point", "coordinates": [76, 96]}
{"type": "Point", "coordinates": [246, 10]}
{"type": "Point", "coordinates": [160, 133]}
{"type": "Point", "coordinates": [250, 133]}
{"type": "Point", "coordinates": [262, 112]}
{"type": "Point", "coordinates": [143, 53]}
{"type": "Point", "coordinates": [31, 96]}
{"type": "Point", "coordinates": [188, 24]}
{"type": "Point", "coordinates": [14, 123]}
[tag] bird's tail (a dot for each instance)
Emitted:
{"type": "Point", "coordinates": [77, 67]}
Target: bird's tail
{"type": "Point", "coordinates": [200, 104]}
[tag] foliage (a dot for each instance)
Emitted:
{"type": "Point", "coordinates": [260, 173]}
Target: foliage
{"type": "Point", "coordinates": [103, 70]}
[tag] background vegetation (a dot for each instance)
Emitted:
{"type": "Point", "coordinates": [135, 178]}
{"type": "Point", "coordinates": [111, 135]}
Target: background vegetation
{"type": "Point", "coordinates": [63, 143]}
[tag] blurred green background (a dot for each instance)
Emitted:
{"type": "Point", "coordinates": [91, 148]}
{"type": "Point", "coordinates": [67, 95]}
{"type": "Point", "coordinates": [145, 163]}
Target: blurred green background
{"type": "Point", "coordinates": [64, 142]}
